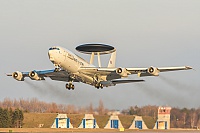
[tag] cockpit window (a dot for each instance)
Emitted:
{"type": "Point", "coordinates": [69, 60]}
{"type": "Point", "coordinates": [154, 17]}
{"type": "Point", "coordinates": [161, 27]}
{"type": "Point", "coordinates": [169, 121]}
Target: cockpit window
{"type": "Point", "coordinates": [54, 48]}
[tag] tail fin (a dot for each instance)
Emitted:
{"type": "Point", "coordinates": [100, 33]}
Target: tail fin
{"type": "Point", "coordinates": [111, 62]}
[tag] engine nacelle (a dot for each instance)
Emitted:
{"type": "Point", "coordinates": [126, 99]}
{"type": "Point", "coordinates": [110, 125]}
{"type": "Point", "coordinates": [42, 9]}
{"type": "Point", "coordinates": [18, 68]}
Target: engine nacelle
{"type": "Point", "coordinates": [122, 72]}
{"type": "Point", "coordinates": [154, 71]}
{"type": "Point", "coordinates": [33, 75]}
{"type": "Point", "coordinates": [18, 76]}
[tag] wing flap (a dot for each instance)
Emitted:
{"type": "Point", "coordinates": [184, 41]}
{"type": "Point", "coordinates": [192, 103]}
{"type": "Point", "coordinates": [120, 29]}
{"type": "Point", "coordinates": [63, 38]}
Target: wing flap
{"type": "Point", "coordinates": [114, 82]}
{"type": "Point", "coordinates": [95, 70]}
{"type": "Point", "coordinates": [126, 81]}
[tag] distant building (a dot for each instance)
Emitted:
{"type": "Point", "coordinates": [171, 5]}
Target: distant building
{"type": "Point", "coordinates": [138, 123]}
{"type": "Point", "coordinates": [62, 121]}
{"type": "Point", "coordinates": [88, 122]}
{"type": "Point", "coordinates": [163, 121]}
{"type": "Point", "coordinates": [113, 122]}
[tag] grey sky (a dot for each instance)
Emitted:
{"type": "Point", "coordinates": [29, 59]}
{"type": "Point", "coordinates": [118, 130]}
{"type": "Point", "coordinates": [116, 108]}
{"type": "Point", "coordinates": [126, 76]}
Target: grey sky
{"type": "Point", "coordinates": [145, 33]}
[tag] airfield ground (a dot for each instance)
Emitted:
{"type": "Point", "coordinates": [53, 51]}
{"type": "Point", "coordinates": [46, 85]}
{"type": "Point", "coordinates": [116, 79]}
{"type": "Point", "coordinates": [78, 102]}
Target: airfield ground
{"type": "Point", "coordinates": [45, 130]}
{"type": "Point", "coordinates": [32, 120]}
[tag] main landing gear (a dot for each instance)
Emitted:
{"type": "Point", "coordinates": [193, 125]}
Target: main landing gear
{"type": "Point", "coordinates": [70, 86]}
{"type": "Point", "coordinates": [99, 86]}
{"type": "Point", "coordinates": [56, 69]}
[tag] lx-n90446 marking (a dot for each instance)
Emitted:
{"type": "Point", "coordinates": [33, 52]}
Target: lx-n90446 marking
{"type": "Point", "coordinates": [71, 68]}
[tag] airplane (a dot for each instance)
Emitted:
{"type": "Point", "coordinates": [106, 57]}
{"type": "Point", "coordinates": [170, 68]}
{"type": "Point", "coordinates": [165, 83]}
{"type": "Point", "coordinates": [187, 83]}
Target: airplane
{"type": "Point", "coordinates": [70, 68]}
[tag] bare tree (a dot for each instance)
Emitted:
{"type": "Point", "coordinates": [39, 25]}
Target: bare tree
{"type": "Point", "coordinates": [7, 103]}
{"type": "Point", "coordinates": [101, 108]}
{"type": "Point", "coordinates": [193, 118]}
{"type": "Point", "coordinates": [71, 109]}
{"type": "Point", "coordinates": [91, 110]}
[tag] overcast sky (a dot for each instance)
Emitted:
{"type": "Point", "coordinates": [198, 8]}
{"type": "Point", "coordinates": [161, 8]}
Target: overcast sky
{"type": "Point", "coordinates": [145, 33]}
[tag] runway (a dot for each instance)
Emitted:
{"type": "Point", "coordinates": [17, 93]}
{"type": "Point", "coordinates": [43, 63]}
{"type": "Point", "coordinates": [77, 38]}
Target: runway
{"type": "Point", "coordinates": [44, 130]}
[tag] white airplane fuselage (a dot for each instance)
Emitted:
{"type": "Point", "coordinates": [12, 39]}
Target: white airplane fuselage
{"type": "Point", "coordinates": [70, 68]}
{"type": "Point", "coordinates": [69, 62]}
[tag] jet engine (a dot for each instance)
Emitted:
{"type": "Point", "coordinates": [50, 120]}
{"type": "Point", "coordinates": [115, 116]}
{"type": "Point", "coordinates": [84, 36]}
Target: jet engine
{"type": "Point", "coordinates": [122, 72]}
{"type": "Point", "coordinates": [33, 75]}
{"type": "Point", "coordinates": [18, 76]}
{"type": "Point", "coordinates": [154, 71]}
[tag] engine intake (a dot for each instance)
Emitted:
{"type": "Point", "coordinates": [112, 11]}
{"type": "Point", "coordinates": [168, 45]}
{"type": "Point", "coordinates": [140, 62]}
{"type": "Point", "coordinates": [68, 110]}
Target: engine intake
{"type": "Point", "coordinates": [154, 71]}
{"type": "Point", "coordinates": [122, 72]}
{"type": "Point", "coordinates": [33, 75]}
{"type": "Point", "coordinates": [18, 76]}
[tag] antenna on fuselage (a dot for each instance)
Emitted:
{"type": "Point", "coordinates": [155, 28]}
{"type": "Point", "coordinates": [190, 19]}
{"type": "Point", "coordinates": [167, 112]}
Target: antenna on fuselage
{"type": "Point", "coordinates": [98, 49]}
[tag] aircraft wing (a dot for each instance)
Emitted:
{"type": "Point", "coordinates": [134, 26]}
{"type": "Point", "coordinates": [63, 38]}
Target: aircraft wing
{"type": "Point", "coordinates": [115, 73]}
{"type": "Point", "coordinates": [61, 75]}
{"type": "Point", "coordinates": [154, 71]}
{"type": "Point", "coordinates": [165, 69]}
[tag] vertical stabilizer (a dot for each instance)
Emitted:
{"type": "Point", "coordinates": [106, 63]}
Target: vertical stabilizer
{"type": "Point", "coordinates": [111, 62]}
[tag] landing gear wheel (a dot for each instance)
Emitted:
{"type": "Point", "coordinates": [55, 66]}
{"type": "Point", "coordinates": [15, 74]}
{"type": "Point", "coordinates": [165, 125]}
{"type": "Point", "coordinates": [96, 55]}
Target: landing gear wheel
{"type": "Point", "coordinates": [101, 86]}
{"type": "Point", "coordinates": [73, 87]}
{"type": "Point", "coordinates": [70, 86]}
{"type": "Point", "coordinates": [67, 86]}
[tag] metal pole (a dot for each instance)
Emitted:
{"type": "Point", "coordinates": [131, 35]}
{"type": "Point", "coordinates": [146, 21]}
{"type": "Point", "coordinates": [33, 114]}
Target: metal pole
{"type": "Point", "coordinates": [92, 58]}
{"type": "Point", "coordinates": [99, 61]}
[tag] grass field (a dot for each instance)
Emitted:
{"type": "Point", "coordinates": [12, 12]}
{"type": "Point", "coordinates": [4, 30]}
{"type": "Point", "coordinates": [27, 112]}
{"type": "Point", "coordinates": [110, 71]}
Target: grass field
{"type": "Point", "coordinates": [75, 119]}
{"type": "Point", "coordinates": [101, 120]}
{"type": "Point", "coordinates": [149, 121]}
{"type": "Point", "coordinates": [126, 120]}
{"type": "Point", "coordinates": [32, 120]}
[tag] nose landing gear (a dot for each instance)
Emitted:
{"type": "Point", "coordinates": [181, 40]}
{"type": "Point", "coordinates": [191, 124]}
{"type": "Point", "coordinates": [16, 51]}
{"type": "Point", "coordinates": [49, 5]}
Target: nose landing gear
{"type": "Point", "coordinates": [57, 68]}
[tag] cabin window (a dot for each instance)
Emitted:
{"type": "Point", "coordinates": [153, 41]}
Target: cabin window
{"type": "Point", "coordinates": [54, 48]}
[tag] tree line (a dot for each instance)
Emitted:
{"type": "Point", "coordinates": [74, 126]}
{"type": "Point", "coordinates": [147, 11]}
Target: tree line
{"type": "Point", "coordinates": [180, 117]}
{"type": "Point", "coordinates": [11, 118]}
{"type": "Point", "coordinates": [36, 106]}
